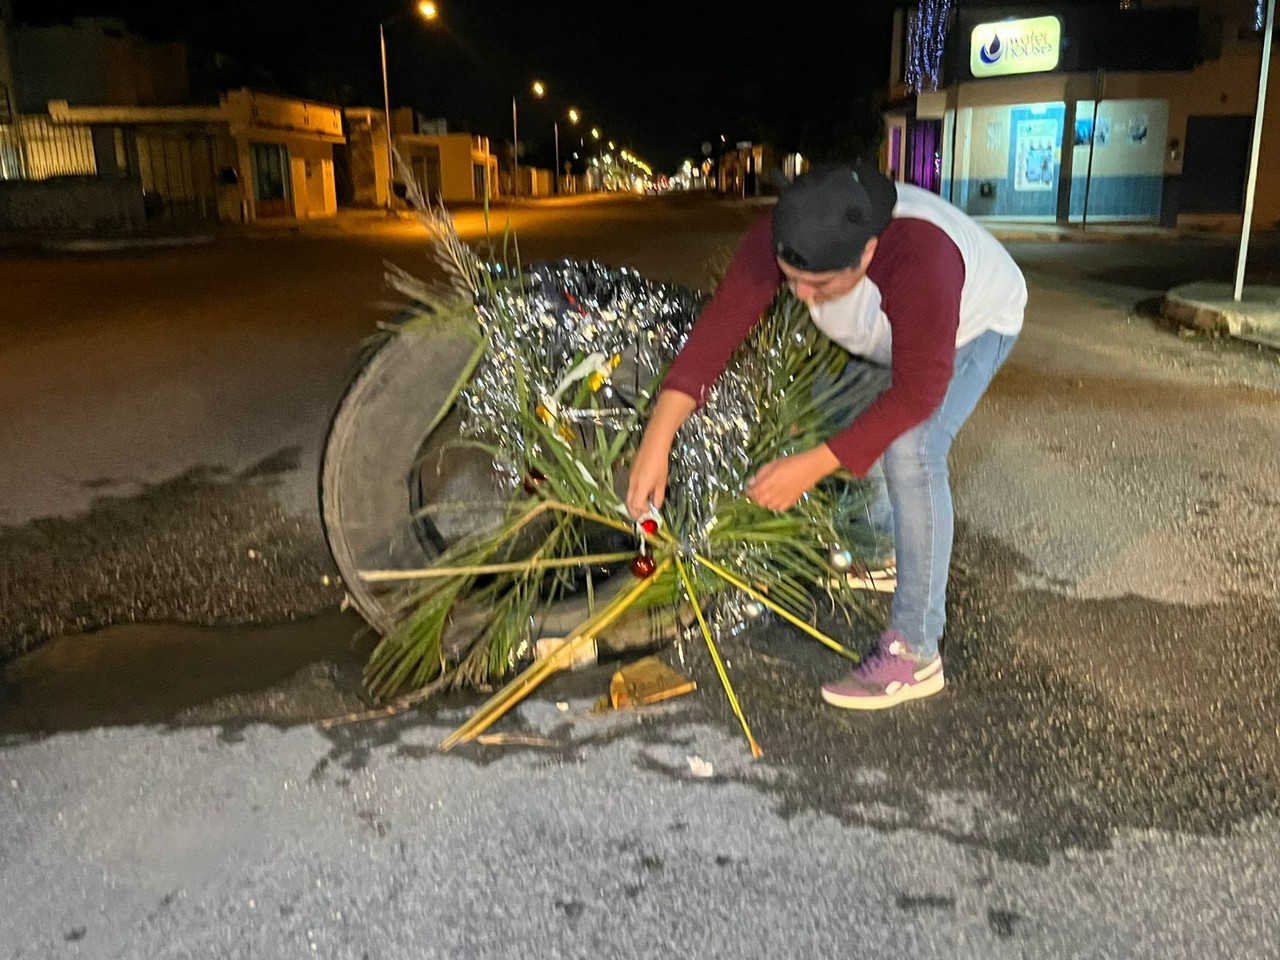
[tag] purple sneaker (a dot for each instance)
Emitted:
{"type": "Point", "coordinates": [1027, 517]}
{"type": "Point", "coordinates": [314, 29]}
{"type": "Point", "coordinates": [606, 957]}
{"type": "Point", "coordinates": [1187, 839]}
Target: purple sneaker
{"type": "Point", "coordinates": [890, 675]}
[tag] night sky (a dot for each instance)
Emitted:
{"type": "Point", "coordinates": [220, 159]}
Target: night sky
{"type": "Point", "coordinates": [661, 77]}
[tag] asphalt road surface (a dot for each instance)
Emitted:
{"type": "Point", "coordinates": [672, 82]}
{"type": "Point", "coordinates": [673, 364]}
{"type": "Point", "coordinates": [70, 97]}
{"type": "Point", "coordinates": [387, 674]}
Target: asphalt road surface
{"type": "Point", "coordinates": [1100, 778]}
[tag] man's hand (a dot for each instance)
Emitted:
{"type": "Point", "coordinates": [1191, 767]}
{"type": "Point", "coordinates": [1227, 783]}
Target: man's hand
{"type": "Point", "coordinates": [778, 485]}
{"type": "Point", "coordinates": [648, 484]}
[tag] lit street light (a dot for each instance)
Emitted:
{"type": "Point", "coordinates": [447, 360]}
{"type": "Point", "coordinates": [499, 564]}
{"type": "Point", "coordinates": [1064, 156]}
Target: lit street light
{"type": "Point", "coordinates": [428, 11]}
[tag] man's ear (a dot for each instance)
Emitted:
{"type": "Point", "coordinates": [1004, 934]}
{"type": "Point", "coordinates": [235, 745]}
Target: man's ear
{"type": "Point", "coordinates": [868, 252]}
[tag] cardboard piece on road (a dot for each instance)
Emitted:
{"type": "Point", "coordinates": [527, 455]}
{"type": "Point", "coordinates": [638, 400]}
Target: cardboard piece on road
{"type": "Point", "coordinates": [647, 681]}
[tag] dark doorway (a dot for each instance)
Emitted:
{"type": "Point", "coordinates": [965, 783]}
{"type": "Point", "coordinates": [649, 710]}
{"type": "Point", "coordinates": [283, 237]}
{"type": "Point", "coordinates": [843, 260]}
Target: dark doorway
{"type": "Point", "coordinates": [1214, 164]}
{"type": "Point", "coordinates": [272, 190]}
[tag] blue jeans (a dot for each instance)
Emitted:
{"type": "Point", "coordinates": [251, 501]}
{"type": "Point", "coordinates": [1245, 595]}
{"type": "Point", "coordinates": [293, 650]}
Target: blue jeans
{"type": "Point", "coordinates": [913, 499]}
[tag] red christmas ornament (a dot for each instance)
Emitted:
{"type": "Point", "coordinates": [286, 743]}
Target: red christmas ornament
{"type": "Point", "coordinates": [649, 526]}
{"type": "Point", "coordinates": [533, 480]}
{"type": "Point", "coordinates": [643, 566]}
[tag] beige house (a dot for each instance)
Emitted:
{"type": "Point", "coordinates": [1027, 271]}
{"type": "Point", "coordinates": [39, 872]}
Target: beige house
{"type": "Point", "coordinates": [94, 117]}
{"type": "Point", "coordinates": [367, 160]}
{"type": "Point", "coordinates": [253, 156]}
{"type": "Point", "coordinates": [453, 166]}
{"type": "Point", "coordinates": [284, 152]}
{"type": "Point", "coordinates": [744, 170]}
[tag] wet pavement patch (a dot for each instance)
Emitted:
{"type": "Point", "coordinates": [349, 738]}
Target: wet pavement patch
{"type": "Point", "coordinates": [280, 462]}
{"type": "Point", "coordinates": [172, 674]}
{"type": "Point", "coordinates": [1058, 729]}
{"type": "Point", "coordinates": [1002, 922]}
{"type": "Point", "coordinates": [1066, 721]}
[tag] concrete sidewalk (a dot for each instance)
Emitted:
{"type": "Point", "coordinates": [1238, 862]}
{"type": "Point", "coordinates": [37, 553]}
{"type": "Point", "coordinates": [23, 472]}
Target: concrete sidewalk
{"type": "Point", "coordinates": [346, 221]}
{"type": "Point", "coordinates": [1013, 231]}
{"type": "Point", "coordinates": [1211, 307]}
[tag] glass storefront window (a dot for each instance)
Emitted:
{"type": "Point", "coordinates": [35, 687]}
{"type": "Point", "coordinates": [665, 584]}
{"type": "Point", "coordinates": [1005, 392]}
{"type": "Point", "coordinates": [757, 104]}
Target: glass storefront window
{"type": "Point", "coordinates": [1007, 160]}
{"type": "Point", "coordinates": [1118, 164]}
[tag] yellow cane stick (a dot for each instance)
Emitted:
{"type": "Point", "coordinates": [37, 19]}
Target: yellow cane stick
{"type": "Point", "coordinates": [779, 610]}
{"type": "Point", "coordinates": [525, 683]}
{"type": "Point", "coordinates": [715, 658]}
{"type": "Point", "coordinates": [519, 566]}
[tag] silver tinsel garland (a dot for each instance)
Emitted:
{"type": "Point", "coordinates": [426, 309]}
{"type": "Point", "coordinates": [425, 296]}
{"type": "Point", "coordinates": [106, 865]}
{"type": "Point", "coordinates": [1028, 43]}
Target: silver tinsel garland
{"type": "Point", "coordinates": [539, 327]}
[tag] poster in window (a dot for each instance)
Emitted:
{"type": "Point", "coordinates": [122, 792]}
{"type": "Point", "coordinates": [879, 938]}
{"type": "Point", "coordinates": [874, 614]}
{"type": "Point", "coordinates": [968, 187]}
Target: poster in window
{"type": "Point", "coordinates": [1084, 132]}
{"type": "Point", "coordinates": [1138, 130]}
{"type": "Point", "coordinates": [1037, 146]}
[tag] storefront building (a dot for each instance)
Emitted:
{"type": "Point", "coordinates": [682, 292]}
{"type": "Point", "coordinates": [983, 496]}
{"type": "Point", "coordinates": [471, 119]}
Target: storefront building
{"type": "Point", "coordinates": [1086, 114]}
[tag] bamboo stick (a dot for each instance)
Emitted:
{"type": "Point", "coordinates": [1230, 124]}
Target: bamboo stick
{"type": "Point", "coordinates": [525, 683]}
{"type": "Point", "coordinates": [589, 515]}
{"type": "Point", "coordinates": [382, 576]}
{"type": "Point", "coordinates": [779, 610]}
{"type": "Point", "coordinates": [397, 706]}
{"type": "Point", "coordinates": [756, 752]}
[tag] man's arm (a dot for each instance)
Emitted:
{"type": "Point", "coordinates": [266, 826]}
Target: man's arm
{"type": "Point", "coordinates": [749, 285]}
{"type": "Point", "coordinates": [920, 283]}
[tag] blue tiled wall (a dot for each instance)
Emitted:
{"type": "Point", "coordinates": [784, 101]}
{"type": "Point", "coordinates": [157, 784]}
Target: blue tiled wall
{"type": "Point", "coordinates": [1132, 197]}
{"type": "Point", "coordinates": [1127, 198]}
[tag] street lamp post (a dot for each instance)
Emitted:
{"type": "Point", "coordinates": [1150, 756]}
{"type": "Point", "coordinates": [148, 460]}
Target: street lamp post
{"type": "Point", "coordinates": [515, 149]}
{"type": "Point", "coordinates": [428, 11]}
{"type": "Point", "coordinates": [386, 109]}
{"type": "Point", "coordinates": [599, 176]}
{"type": "Point", "coordinates": [539, 90]}
{"type": "Point", "coordinates": [1251, 183]}
{"type": "Point", "coordinates": [556, 128]}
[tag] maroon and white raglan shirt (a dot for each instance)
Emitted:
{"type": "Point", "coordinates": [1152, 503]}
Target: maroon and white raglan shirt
{"type": "Point", "coordinates": [937, 281]}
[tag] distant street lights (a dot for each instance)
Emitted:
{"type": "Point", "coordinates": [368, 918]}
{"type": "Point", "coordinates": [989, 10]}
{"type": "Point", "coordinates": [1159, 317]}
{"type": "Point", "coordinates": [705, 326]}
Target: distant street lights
{"type": "Point", "coordinates": [428, 11]}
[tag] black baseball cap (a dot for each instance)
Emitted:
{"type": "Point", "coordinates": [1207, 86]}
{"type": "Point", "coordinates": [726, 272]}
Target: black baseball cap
{"type": "Point", "coordinates": [824, 219]}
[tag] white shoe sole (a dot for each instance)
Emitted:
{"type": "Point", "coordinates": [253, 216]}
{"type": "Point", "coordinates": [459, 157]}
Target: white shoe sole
{"type": "Point", "coordinates": [914, 691]}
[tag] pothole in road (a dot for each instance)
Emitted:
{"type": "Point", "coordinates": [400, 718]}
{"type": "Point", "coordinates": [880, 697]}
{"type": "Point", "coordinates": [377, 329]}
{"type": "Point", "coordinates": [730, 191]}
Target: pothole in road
{"type": "Point", "coordinates": [286, 673]}
{"type": "Point", "coordinates": [203, 547]}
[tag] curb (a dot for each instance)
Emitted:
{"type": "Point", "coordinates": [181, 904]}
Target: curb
{"type": "Point", "coordinates": [126, 243]}
{"type": "Point", "coordinates": [1210, 308]}
{"type": "Point", "coordinates": [1086, 236]}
